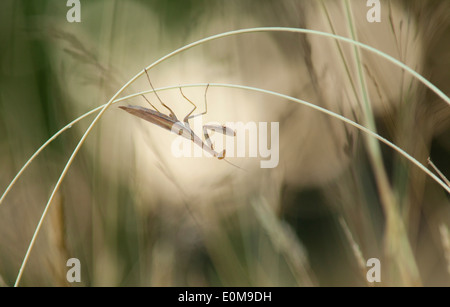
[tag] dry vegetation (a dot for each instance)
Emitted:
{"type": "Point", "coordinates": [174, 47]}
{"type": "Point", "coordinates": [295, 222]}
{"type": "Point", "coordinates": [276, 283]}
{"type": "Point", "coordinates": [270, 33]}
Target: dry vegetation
{"type": "Point", "coordinates": [135, 215]}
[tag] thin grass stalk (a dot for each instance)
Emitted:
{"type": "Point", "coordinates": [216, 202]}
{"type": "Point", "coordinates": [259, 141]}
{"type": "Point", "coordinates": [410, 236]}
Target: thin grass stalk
{"type": "Point", "coordinates": [270, 29]}
{"type": "Point", "coordinates": [445, 239]}
{"type": "Point", "coordinates": [445, 184]}
{"type": "Point", "coordinates": [396, 245]}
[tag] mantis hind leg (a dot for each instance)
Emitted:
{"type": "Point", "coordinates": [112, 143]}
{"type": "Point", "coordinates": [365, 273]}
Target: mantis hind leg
{"type": "Point", "coordinates": [208, 142]}
{"type": "Point", "coordinates": [172, 114]}
{"type": "Point", "coordinates": [189, 116]}
{"type": "Point", "coordinates": [222, 129]}
{"type": "Point", "coordinates": [207, 138]}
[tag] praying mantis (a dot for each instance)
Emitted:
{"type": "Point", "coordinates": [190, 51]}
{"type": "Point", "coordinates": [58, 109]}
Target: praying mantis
{"type": "Point", "coordinates": [172, 123]}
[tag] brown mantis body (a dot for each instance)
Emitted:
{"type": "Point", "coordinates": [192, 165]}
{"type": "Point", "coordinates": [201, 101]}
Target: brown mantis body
{"type": "Point", "coordinates": [172, 123]}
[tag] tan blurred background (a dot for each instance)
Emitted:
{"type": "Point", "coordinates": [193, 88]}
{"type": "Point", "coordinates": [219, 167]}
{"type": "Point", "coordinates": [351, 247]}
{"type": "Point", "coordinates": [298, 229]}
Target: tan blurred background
{"type": "Point", "coordinates": [136, 215]}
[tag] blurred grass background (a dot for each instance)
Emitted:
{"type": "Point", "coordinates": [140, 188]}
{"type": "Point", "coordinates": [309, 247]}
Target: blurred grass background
{"type": "Point", "coordinates": [297, 225]}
